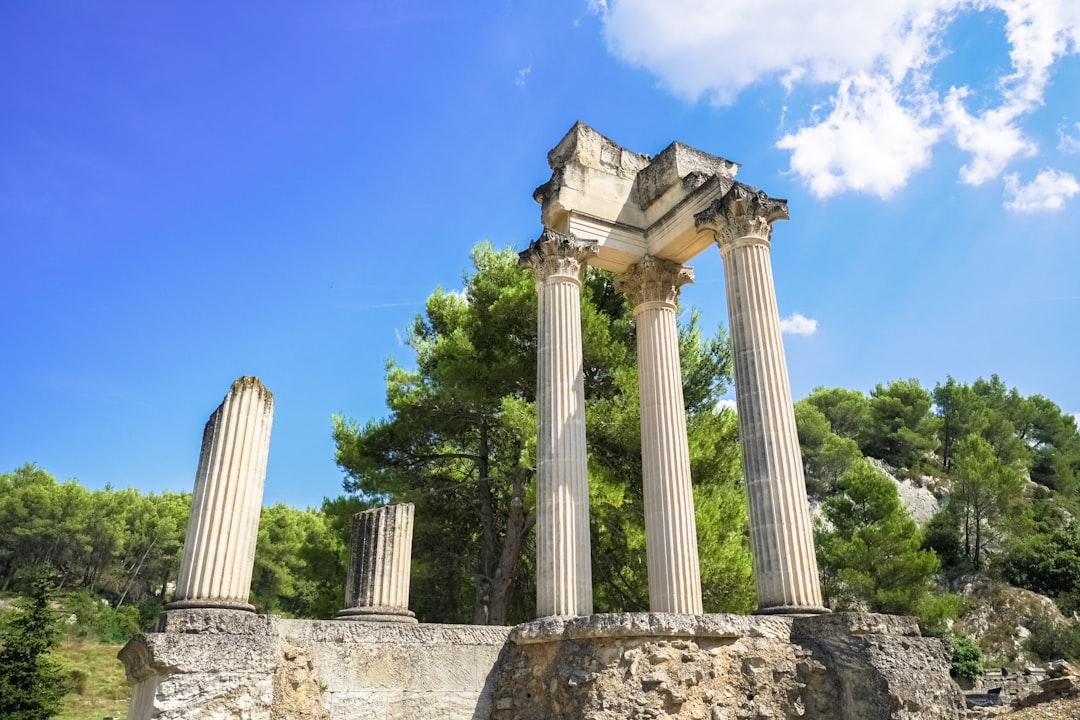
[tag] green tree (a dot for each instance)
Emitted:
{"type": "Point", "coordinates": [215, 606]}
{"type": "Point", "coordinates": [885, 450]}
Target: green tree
{"type": "Point", "coordinates": [460, 443]}
{"type": "Point", "coordinates": [825, 454]}
{"type": "Point", "coordinates": [984, 487]}
{"type": "Point", "coordinates": [848, 411]}
{"type": "Point", "coordinates": [902, 429]}
{"type": "Point", "coordinates": [31, 684]}
{"type": "Point", "coordinates": [869, 548]}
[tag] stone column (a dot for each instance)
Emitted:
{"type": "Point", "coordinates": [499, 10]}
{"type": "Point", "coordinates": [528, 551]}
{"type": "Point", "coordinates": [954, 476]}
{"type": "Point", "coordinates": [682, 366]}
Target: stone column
{"type": "Point", "coordinates": [219, 549]}
{"type": "Point", "coordinates": [670, 529]}
{"type": "Point", "coordinates": [785, 569]}
{"type": "Point", "coordinates": [381, 555]}
{"type": "Point", "coordinates": [563, 563]}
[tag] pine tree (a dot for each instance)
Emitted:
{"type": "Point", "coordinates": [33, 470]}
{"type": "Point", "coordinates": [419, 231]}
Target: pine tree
{"type": "Point", "coordinates": [31, 684]}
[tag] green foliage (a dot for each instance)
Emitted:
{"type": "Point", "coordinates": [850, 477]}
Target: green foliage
{"type": "Point", "coordinates": [1047, 563]}
{"type": "Point", "coordinates": [825, 454]}
{"type": "Point", "coordinates": [847, 411]}
{"type": "Point", "coordinates": [299, 569]}
{"type": "Point", "coordinates": [984, 489]}
{"type": "Point", "coordinates": [31, 682]}
{"type": "Point", "coordinates": [96, 619]}
{"type": "Point", "coordinates": [1050, 640]}
{"type": "Point", "coordinates": [942, 535]}
{"type": "Point", "coordinates": [966, 656]}
{"type": "Point", "coordinates": [869, 547]}
{"type": "Point", "coordinates": [902, 430]}
{"type": "Point", "coordinates": [118, 543]}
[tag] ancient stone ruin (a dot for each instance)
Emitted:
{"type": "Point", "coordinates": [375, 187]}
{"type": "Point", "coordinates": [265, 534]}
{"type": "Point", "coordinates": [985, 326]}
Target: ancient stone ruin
{"type": "Point", "coordinates": [642, 218]}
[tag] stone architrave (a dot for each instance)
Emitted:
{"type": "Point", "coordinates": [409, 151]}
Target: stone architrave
{"type": "Point", "coordinates": [219, 549]}
{"type": "Point", "coordinates": [785, 568]}
{"type": "Point", "coordinates": [670, 529]}
{"type": "Point", "coordinates": [377, 589]}
{"type": "Point", "coordinates": [563, 563]}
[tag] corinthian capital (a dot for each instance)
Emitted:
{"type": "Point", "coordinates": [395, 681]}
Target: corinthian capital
{"type": "Point", "coordinates": [742, 213]}
{"type": "Point", "coordinates": [653, 280]}
{"type": "Point", "coordinates": [555, 254]}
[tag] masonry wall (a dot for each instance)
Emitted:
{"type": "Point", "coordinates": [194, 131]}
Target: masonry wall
{"type": "Point", "coordinates": [231, 665]}
{"type": "Point", "coordinates": [226, 665]}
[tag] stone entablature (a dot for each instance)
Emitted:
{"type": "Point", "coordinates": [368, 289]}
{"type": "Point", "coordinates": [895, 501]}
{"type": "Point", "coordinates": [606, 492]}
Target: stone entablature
{"type": "Point", "coordinates": [630, 204]}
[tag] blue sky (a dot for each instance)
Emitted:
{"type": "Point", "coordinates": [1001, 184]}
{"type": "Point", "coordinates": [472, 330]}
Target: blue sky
{"type": "Point", "coordinates": [193, 192]}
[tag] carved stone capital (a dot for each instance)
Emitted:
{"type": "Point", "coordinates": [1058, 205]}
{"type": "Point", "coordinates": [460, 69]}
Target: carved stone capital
{"type": "Point", "coordinates": [742, 214]}
{"type": "Point", "coordinates": [654, 280]}
{"type": "Point", "coordinates": [557, 255]}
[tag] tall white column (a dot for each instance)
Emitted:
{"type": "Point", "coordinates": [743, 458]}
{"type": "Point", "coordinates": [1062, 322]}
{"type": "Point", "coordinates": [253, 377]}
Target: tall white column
{"type": "Point", "coordinates": [781, 538]}
{"type": "Point", "coordinates": [219, 549]}
{"type": "Point", "coordinates": [670, 529]}
{"type": "Point", "coordinates": [563, 563]}
{"type": "Point", "coordinates": [377, 588]}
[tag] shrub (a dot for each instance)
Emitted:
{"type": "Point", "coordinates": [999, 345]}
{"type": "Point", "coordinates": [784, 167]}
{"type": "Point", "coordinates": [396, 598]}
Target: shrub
{"type": "Point", "coordinates": [1050, 640]}
{"type": "Point", "coordinates": [967, 657]}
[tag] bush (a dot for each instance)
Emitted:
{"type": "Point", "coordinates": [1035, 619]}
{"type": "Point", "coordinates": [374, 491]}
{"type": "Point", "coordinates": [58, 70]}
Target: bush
{"type": "Point", "coordinates": [967, 657]}
{"type": "Point", "coordinates": [1050, 640]}
{"type": "Point", "coordinates": [77, 680]}
{"type": "Point", "coordinates": [95, 619]}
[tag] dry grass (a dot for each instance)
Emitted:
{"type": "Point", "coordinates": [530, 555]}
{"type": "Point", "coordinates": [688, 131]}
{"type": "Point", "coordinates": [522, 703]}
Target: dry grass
{"type": "Point", "coordinates": [105, 690]}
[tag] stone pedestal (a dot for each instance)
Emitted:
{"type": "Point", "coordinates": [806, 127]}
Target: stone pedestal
{"type": "Point", "coordinates": [219, 549]}
{"type": "Point", "coordinates": [670, 530]}
{"type": "Point", "coordinates": [377, 589]}
{"type": "Point", "coordinates": [781, 537]}
{"type": "Point", "coordinates": [685, 667]}
{"type": "Point", "coordinates": [563, 563]}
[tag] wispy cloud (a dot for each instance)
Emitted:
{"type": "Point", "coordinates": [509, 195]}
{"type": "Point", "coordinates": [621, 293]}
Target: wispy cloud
{"type": "Point", "coordinates": [797, 324]}
{"type": "Point", "coordinates": [726, 404]}
{"type": "Point", "coordinates": [885, 109]}
{"type": "Point", "coordinates": [1048, 191]}
{"type": "Point", "coordinates": [521, 75]}
{"type": "Point", "coordinates": [1067, 142]}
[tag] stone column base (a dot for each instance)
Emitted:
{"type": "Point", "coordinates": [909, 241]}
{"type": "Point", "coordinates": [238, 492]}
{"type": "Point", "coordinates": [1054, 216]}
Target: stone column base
{"type": "Point", "coordinates": [379, 613]}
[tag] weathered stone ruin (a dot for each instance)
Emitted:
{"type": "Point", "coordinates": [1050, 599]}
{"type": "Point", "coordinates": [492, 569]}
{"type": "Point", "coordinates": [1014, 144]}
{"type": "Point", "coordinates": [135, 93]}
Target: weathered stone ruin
{"type": "Point", "coordinates": [641, 217]}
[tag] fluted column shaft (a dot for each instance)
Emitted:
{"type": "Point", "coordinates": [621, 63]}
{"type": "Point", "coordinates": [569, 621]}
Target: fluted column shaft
{"type": "Point", "coordinates": [377, 588]}
{"type": "Point", "coordinates": [785, 568]}
{"type": "Point", "coordinates": [219, 548]}
{"type": "Point", "coordinates": [563, 564]}
{"type": "Point", "coordinates": [670, 528]}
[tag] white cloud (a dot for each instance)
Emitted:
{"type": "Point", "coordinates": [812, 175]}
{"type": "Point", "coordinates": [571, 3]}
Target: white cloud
{"type": "Point", "coordinates": [869, 142]}
{"type": "Point", "coordinates": [1068, 143]}
{"type": "Point", "coordinates": [726, 404]}
{"type": "Point", "coordinates": [876, 64]}
{"type": "Point", "coordinates": [1048, 191]}
{"type": "Point", "coordinates": [717, 49]}
{"type": "Point", "coordinates": [522, 74]}
{"type": "Point", "coordinates": [796, 324]}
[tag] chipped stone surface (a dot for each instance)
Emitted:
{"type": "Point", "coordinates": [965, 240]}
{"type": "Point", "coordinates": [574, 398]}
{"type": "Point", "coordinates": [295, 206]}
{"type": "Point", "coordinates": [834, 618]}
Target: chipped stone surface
{"type": "Point", "coordinates": [835, 667]}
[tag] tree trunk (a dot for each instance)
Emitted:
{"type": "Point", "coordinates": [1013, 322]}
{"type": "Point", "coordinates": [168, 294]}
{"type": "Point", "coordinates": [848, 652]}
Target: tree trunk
{"type": "Point", "coordinates": [518, 525]}
{"type": "Point", "coordinates": [486, 571]}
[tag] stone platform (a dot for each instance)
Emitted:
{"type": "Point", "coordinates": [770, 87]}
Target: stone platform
{"type": "Point", "coordinates": [207, 664]}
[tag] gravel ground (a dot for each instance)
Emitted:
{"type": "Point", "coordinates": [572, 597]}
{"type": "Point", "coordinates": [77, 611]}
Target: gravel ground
{"type": "Point", "coordinates": [1061, 709]}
